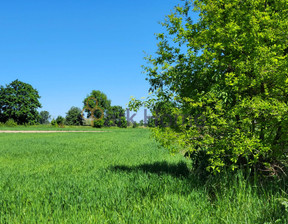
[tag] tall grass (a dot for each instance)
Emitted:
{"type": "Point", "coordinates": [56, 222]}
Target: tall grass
{"type": "Point", "coordinates": [121, 176]}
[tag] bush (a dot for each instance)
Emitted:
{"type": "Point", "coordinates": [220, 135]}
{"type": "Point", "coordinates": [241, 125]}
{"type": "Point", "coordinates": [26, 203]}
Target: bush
{"type": "Point", "coordinates": [2, 124]}
{"type": "Point", "coordinates": [135, 124]}
{"type": "Point", "coordinates": [99, 123]}
{"type": "Point", "coordinates": [129, 123]}
{"type": "Point", "coordinates": [123, 123]}
{"type": "Point", "coordinates": [54, 123]}
{"type": "Point", "coordinates": [60, 121]}
{"type": "Point", "coordinates": [10, 123]}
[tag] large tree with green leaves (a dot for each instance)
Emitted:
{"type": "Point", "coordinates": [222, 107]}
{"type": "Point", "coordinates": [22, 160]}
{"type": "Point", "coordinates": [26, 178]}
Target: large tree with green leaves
{"type": "Point", "coordinates": [230, 69]}
{"type": "Point", "coordinates": [19, 101]}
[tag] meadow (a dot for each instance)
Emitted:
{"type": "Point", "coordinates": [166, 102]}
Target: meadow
{"type": "Point", "coordinates": [121, 176]}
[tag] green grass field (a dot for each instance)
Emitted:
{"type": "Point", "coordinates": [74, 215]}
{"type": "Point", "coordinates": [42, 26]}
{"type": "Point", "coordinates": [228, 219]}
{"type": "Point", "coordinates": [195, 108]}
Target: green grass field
{"type": "Point", "coordinates": [120, 176]}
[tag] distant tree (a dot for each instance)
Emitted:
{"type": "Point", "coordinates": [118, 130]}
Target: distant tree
{"type": "Point", "coordinates": [74, 117]}
{"type": "Point", "coordinates": [44, 117]}
{"type": "Point", "coordinates": [97, 102]}
{"type": "Point", "coordinates": [114, 116]}
{"type": "Point", "coordinates": [141, 123]}
{"type": "Point", "coordinates": [53, 122]}
{"type": "Point", "coordinates": [60, 120]}
{"type": "Point", "coordinates": [19, 101]}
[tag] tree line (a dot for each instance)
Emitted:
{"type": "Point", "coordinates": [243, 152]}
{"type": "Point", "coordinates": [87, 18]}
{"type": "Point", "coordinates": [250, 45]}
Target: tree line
{"type": "Point", "coordinates": [19, 104]}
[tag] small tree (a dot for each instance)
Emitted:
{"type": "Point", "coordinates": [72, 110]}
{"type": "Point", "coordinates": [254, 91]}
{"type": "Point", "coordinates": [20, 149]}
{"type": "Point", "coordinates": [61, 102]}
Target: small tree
{"type": "Point", "coordinates": [44, 117]}
{"type": "Point", "coordinates": [60, 121]}
{"type": "Point", "coordinates": [115, 115]}
{"type": "Point", "coordinates": [74, 117]}
{"type": "Point", "coordinates": [96, 102]}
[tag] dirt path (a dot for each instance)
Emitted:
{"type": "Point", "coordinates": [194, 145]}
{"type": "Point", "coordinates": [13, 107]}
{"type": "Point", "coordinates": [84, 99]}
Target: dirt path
{"type": "Point", "coordinates": [3, 131]}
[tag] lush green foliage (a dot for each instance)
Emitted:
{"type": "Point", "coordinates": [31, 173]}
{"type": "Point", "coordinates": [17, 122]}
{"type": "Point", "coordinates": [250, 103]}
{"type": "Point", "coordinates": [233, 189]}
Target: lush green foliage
{"type": "Point", "coordinates": [60, 121]}
{"type": "Point", "coordinates": [98, 123]}
{"type": "Point", "coordinates": [228, 71]}
{"type": "Point", "coordinates": [54, 123]}
{"type": "Point", "coordinates": [19, 101]}
{"type": "Point", "coordinates": [10, 123]}
{"type": "Point", "coordinates": [114, 116]}
{"type": "Point", "coordinates": [120, 176]}
{"type": "Point", "coordinates": [74, 116]}
{"type": "Point", "coordinates": [44, 117]}
{"type": "Point", "coordinates": [97, 103]}
{"type": "Point", "coordinates": [123, 122]}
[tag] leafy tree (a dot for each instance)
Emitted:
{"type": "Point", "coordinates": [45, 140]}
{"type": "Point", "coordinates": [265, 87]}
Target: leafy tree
{"type": "Point", "coordinates": [141, 123]}
{"type": "Point", "coordinates": [60, 120]}
{"type": "Point", "coordinates": [74, 117]}
{"type": "Point", "coordinates": [229, 70]}
{"type": "Point", "coordinates": [19, 101]}
{"type": "Point", "coordinates": [44, 117]}
{"type": "Point", "coordinates": [114, 116]}
{"type": "Point", "coordinates": [96, 102]}
{"type": "Point", "coordinates": [54, 123]}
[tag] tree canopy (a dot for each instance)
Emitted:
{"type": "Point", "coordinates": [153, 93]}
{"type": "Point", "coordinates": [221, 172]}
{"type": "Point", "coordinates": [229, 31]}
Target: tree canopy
{"type": "Point", "coordinates": [19, 101]}
{"type": "Point", "coordinates": [230, 68]}
{"type": "Point", "coordinates": [96, 102]}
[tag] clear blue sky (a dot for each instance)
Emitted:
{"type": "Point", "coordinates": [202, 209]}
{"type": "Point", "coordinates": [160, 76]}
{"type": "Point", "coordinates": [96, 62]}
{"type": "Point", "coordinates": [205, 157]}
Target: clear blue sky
{"type": "Point", "coordinates": [65, 49]}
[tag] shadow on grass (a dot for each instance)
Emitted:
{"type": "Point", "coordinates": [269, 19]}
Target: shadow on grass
{"type": "Point", "coordinates": [161, 168]}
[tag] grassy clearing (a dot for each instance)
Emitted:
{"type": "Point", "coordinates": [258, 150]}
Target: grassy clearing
{"type": "Point", "coordinates": [120, 176]}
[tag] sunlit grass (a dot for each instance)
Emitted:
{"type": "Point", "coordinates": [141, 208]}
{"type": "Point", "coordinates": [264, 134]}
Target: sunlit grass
{"type": "Point", "coordinates": [120, 176]}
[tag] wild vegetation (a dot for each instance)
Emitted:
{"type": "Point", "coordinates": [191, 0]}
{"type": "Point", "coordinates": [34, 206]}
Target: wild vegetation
{"type": "Point", "coordinates": [220, 84]}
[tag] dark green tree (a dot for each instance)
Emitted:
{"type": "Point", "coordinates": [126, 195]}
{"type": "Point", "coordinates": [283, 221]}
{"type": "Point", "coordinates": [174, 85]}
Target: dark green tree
{"type": "Point", "coordinates": [96, 102]}
{"type": "Point", "coordinates": [60, 120]}
{"type": "Point", "coordinates": [44, 117]}
{"type": "Point", "coordinates": [114, 116]}
{"type": "Point", "coordinates": [228, 69]}
{"type": "Point", "coordinates": [74, 117]}
{"type": "Point", "coordinates": [19, 101]}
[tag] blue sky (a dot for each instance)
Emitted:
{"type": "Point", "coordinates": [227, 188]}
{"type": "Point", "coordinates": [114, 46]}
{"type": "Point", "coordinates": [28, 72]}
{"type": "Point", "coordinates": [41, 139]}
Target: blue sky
{"type": "Point", "coordinates": [65, 49]}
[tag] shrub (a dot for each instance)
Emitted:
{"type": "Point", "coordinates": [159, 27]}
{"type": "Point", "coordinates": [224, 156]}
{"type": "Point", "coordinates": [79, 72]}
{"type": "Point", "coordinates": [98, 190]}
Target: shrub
{"type": "Point", "coordinates": [54, 123]}
{"type": "Point", "coordinates": [60, 121]}
{"type": "Point", "coordinates": [135, 124]}
{"type": "Point", "coordinates": [123, 123]}
{"type": "Point", "coordinates": [10, 123]}
{"type": "Point", "coordinates": [229, 80]}
{"type": "Point", "coordinates": [99, 123]}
